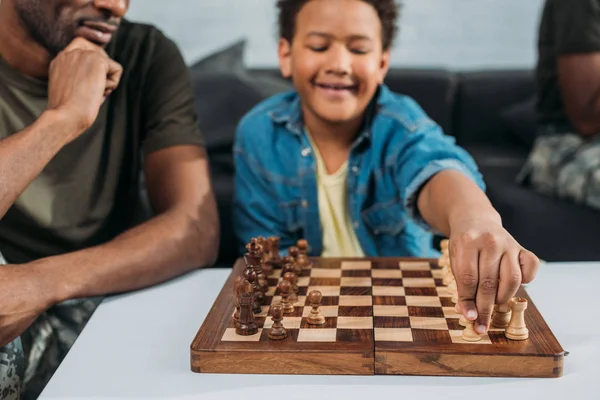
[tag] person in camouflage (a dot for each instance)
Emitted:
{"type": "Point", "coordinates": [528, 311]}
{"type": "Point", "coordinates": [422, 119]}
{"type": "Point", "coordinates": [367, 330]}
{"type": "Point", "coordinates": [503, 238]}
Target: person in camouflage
{"type": "Point", "coordinates": [90, 102]}
{"type": "Point", "coordinates": [565, 159]}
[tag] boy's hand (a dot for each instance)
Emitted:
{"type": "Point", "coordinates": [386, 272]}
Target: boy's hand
{"type": "Point", "coordinates": [489, 266]}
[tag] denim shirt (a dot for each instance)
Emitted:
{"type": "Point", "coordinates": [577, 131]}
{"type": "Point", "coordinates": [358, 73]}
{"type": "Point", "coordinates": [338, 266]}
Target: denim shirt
{"type": "Point", "coordinates": [398, 150]}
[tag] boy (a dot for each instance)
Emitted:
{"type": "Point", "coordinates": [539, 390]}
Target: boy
{"type": "Point", "coordinates": [360, 171]}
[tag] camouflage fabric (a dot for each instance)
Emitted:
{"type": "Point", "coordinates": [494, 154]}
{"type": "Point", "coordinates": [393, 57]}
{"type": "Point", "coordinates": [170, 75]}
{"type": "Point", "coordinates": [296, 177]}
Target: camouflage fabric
{"type": "Point", "coordinates": [28, 363]}
{"type": "Point", "coordinates": [567, 166]}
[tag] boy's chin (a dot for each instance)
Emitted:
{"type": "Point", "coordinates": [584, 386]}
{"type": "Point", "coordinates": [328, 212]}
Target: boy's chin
{"type": "Point", "coordinates": [339, 118]}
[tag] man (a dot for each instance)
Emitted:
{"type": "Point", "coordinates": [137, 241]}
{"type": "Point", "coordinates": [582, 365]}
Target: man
{"type": "Point", "coordinates": [565, 161]}
{"type": "Point", "coordinates": [86, 100]}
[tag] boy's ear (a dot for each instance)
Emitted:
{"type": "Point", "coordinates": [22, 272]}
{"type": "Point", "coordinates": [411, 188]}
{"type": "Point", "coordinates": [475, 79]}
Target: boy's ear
{"type": "Point", "coordinates": [285, 58]}
{"type": "Point", "coordinates": [385, 65]}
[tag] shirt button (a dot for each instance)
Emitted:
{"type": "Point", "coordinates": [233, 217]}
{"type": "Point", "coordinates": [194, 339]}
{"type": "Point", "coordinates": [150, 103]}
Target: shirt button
{"type": "Point", "coordinates": [355, 224]}
{"type": "Point", "coordinates": [355, 170]}
{"type": "Point", "coordinates": [305, 152]}
{"type": "Point", "coordinates": [304, 204]}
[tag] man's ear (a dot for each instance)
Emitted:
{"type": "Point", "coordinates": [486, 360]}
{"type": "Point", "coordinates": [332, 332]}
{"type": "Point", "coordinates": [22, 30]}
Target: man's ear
{"type": "Point", "coordinates": [285, 58]}
{"type": "Point", "coordinates": [385, 65]}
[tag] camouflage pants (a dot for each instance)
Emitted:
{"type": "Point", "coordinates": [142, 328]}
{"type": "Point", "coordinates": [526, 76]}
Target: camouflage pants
{"type": "Point", "coordinates": [567, 166]}
{"type": "Point", "coordinates": [28, 363]}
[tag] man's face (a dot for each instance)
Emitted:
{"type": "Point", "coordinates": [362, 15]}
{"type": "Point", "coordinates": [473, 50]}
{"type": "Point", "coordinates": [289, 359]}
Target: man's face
{"type": "Point", "coordinates": [55, 23]}
{"type": "Point", "coordinates": [335, 59]}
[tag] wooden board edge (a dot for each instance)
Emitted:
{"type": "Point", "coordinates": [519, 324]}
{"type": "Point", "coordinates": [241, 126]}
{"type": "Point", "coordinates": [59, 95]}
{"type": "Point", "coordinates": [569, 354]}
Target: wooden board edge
{"type": "Point", "coordinates": [474, 365]}
{"type": "Point", "coordinates": [298, 363]}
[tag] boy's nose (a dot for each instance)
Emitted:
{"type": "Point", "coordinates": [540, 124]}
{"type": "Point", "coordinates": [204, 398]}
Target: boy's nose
{"type": "Point", "coordinates": [117, 8]}
{"type": "Point", "coordinates": [340, 61]}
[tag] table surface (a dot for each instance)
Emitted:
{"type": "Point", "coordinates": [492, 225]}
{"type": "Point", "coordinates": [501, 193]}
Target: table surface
{"type": "Point", "coordinates": [137, 346]}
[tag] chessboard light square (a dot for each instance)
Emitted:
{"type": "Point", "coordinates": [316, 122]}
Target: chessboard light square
{"type": "Point", "coordinates": [437, 273]}
{"type": "Point", "coordinates": [423, 301]}
{"type": "Point", "coordinates": [326, 290]}
{"type": "Point", "coordinates": [428, 323]}
{"type": "Point", "coordinates": [356, 301]}
{"type": "Point", "coordinates": [393, 335]}
{"type": "Point", "coordinates": [414, 265]}
{"type": "Point", "coordinates": [388, 291]}
{"type": "Point", "coordinates": [356, 282]}
{"type": "Point", "coordinates": [390, 311]}
{"type": "Point", "coordinates": [325, 273]}
{"type": "Point", "coordinates": [328, 311]}
{"type": "Point", "coordinates": [303, 281]}
{"type": "Point", "coordinates": [386, 273]}
{"type": "Point", "coordinates": [354, 265]}
{"type": "Point", "coordinates": [450, 312]}
{"type": "Point", "coordinates": [418, 282]}
{"type": "Point", "coordinates": [456, 337]}
{"type": "Point", "coordinates": [231, 336]}
{"type": "Point", "coordinates": [271, 291]}
{"type": "Point", "coordinates": [317, 335]}
{"type": "Point", "coordinates": [355, 323]}
{"type": "Point", "coordinates": [443, 291]}
{"type": "Point", "coordinates": [288, 322]}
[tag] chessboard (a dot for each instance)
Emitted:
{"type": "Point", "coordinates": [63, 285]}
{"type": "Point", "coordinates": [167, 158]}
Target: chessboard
{"type": "Point", "coordinates": [382, 316]}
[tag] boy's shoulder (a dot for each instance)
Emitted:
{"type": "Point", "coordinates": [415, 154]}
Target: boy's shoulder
{"type": "Point", "coordinates": [260, 119]}
{"type": "Point", "coordinates": [402, 110]}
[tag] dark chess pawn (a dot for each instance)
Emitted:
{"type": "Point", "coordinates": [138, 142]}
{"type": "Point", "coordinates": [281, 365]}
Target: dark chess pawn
{"type": "Point", "coordinates": [316, 316]}
{"type": "Point", "coordinates": [294, 253]}
{"type": "Point", "coordinates": [302, 259]}
{"type": "Point", "coordinates": [277, 331]}
{"type": "Point", "coordinates": [291, 278]}
{"type": "Point", "coordinates": [247, 325]}
{"type": "Point", "coordinates": [266, 258]}
{"type": "Point", "coordinates": [285, 287]}
{"type": "Point", "coordinates": [288, 266]}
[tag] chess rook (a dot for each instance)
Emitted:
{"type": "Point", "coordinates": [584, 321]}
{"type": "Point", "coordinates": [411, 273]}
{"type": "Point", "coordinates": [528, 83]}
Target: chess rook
{"type": "Point", "coordinates": [516, 329]}
{"type": "Point", "coordinates": [277, 331]}
{"type": "Point", "coordinates": [247, 325]}
{"type": "Point", "coordinates": [316, 316]}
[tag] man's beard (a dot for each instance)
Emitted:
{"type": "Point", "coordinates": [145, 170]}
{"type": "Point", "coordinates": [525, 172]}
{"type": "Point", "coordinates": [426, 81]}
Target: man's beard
{"type": "Point", "coordinates": [44, 27]}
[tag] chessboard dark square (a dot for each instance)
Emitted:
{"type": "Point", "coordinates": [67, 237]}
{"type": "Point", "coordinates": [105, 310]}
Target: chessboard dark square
{"type": "Point", "coordinates": [272, 281]}
{"type": "Point", "coordinates": [385, 264]}
{"type": "Point", "coordinates": [391, 322]}
{"type": "Point", "coordinates": [355, 311]}
{"type": "Point", "coordinates": [324, 282]}
{"type": "Point", "coordinates": [326, 301]}
{"type": "Point", "coordinates": [389, 300]}
{"type": "Point", "coordinates": [354, 335]}
{"type": "Point", "coordinates": [298, 310]}
{"type": "Point", "coordinates": [416, 274]}
{"type": "Point", "coordinates": [330, 322]}
{"type": "Point", "coordinates": [453, 324]}
{"type": "Point", "coordinates": [387, 282]}
{"type": "Point", "coordinates": [431, 336]}
{"type": "Point", "coordinates": [358, 273]}
{"type": "Point", "coordinates": [302, 290]}
{"type": "Point", "coordinates": [260, 321]}
{"type": "Point", "coordinates": [412, 291]}
{"type": "Point", "coordinates": [356, 291]}
{"type": "Point", "coordinates": [431, 312]}
{"type": "Point", "coordinates": [439, 282]}
{"type": "Point", "coordinates": [497, 337]}
{"type": "Point", "coordinates": [446, 302]}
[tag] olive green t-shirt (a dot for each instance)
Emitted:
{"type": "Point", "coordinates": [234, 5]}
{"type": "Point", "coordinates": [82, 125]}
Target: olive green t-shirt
{"type": "Point", "coordinates": [89, 192]}
{"type": "Point", "coordinates": [567, 27]}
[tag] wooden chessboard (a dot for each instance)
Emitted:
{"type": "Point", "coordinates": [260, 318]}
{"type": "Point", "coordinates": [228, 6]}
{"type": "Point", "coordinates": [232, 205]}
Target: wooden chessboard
{"type": "Point", "coordinates": [383, 316]}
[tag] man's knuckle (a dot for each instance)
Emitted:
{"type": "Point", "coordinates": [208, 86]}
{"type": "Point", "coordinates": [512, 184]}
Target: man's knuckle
{"type": "Point", "coordinates": [514, 279]}
{"type": "Point", "coordinates": [468, 279]}
{"type": "Point", "coordinates": [488, 285]}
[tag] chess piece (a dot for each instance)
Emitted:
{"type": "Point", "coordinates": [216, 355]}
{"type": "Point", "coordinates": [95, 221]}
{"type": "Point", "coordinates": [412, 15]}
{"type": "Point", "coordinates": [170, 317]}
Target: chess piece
{"type": "Point", "coordinates": [247, 325]}
{"type": "Point", "coordinates": [516, 329]}
{"type": "Point", "coordinates": [501, 316]}
{"type": "Point", "coordinates": [462, 321]}
{"type": "Point", "coordinates": [285, 287]}
{"type": "Point", "coordinates": [469, 334]}
{"type": "Point", "coordinates": [277, 331]}
{"type": "Point", "coordinates": [288, 266]}
{"type": "Point", "coordinates": [452, 288]}
{"type": "Point", "coordinates": [302, 260]}
{"type": "Point", "coordinates": [266, 258]}
{"type": "Point", "coordinates": [239, 286]}
{"type": "Point", "coordinates": [293, 280]}
{"type": "Point", "coordinates": [275, 257]}
{"type": "Point", "coordinates": [256, 251]}
{"type": "Point", "coordinates": [293, 254]}
{"type": "Point", "coordinates": [316, 316]}
{"type": "Point", "coordinates": [250, 276]}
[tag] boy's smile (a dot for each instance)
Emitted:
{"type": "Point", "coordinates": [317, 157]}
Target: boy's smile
{"type": "Point", "coordinates": [336, 58]}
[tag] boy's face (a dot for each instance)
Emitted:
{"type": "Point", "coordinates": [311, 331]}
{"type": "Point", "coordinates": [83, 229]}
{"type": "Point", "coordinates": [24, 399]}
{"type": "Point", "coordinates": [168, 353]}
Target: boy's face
{"type": "Point", "coordinates": [335, 59]}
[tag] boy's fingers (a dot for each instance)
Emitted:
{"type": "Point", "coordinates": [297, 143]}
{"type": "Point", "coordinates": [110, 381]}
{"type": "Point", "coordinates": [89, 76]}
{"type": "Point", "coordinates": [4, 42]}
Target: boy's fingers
{"type": "Point", "coordinates": [510, 277]}
{"type": "Point", "coordinates": [489, 268]}
{"type": "Point", "coordinates": [529, 264]}
{"type": "Point", "coordinates": [464, 259]}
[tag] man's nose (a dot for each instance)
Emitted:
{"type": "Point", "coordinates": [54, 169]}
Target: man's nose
{"type": "Point", "coordinates": [117, 8]}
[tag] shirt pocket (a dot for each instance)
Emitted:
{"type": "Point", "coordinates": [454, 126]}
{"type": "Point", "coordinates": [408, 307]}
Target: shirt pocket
{"type": "Point", "coordinates": [292, 215]}
{"type": "Point", "coordinates": [385, 218]}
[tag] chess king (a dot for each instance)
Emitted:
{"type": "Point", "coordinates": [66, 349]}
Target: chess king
{"type": "Point", "coordinates": [359, 170]}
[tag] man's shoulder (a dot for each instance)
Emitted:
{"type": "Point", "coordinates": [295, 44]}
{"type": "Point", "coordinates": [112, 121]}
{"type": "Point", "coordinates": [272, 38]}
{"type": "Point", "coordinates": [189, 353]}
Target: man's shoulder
{"type": "Point", "coordinates": [137, 42]}
{"type": "Point", "coordinates": [260, 121]}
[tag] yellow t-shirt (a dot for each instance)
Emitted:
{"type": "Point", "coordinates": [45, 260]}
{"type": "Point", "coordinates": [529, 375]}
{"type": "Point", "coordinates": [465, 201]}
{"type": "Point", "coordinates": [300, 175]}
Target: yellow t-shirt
{"type": "Point", "coordinates": [339, 238]}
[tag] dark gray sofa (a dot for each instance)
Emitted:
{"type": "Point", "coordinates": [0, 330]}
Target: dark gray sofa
{"type": "Point", "coordinates": [489, 113]}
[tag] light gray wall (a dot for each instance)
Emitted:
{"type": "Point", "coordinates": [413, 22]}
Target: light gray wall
{"type": "Point", "coordinates": [456, 34]}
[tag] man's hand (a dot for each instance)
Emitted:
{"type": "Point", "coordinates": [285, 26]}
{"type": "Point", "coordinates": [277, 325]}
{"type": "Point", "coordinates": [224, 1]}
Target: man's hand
{"type": "Point", "coordinates": [80, 78]}
{"type": "Point", "coordinates": [23, 298]}
{"type": "Point", "coordinates": [489, 266]}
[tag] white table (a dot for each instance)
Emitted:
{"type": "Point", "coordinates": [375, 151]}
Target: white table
{"type": "Point", "coordinates": [137, 346]}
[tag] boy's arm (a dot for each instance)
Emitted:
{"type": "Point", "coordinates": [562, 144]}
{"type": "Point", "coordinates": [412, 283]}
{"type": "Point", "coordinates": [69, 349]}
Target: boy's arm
{"type": "Point", "coordinates": [443, 190]}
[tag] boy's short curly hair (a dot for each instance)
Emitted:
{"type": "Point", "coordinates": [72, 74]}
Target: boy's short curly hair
{"type": "Point", "coordinates": [387, 10]}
